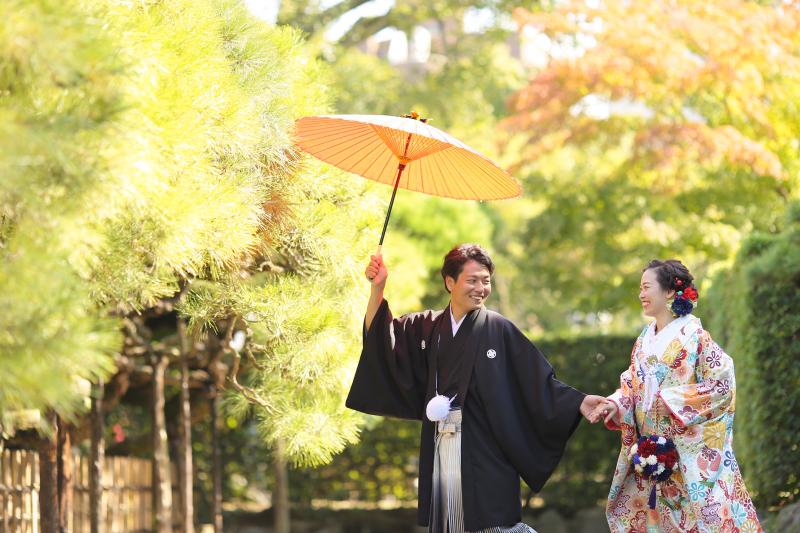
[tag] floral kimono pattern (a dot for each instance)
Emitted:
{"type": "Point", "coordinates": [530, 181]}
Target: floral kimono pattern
{"type": "Point", "coordinates": [706, 493]}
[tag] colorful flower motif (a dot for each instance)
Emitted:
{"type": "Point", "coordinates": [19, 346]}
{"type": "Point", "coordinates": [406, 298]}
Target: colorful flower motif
{"type": "Point", "coordinates": [725, 511]}
{"type": "Point", "coordinates": [739, 490]}
{"type": "Point", "coordinates": [626, 404]}
{"type": "Point", "coordinates": [728, 526]}
{"type": "Point", "coordinates": [708, 453]}
{"type": "Point", "coordinates": [681, 306]}
{"type": "Point", "coordinates": [693, 434]}
{"type": "Point", "coordinates": [614, 491]}
{"type": "Point", "coordinates": [620, 509]}
{"type": "Point", "coordinates": [713, 360]}
{"type": "Point", "coordinates": [683, 372]}
{"type": "Point", "coordinates": [639, 523]}
{"type": "Point", "coordinates": [730, 460]}
{"type": "Point", "coordinates": [714, 435]}
{"type": "Point", "coordinates": [696, 491]}
{"type": "Point", "coordinates": [677, 429]}
{"type": "Point", "coordinates": [682, 356]}
{"type": "Point", "coordinates": [687, 413]}
{"type": "Point", "coordinates": [691, 294]}
{"type": "Point", "coordinates": [710, 513]}
{"type": "Point", "coordinates": [672, 352]}
{"type": "Point", "coordinates": [750, 526]}
{"type": "Point", "coordinates": [637, 503]}
{"type": "Point", "coordinates": [739, 513]}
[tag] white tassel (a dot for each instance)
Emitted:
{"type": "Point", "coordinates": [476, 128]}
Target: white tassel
{"type": "Point", "coordinates": [438, 408]}
{"type": "Point", "coordinates": [650, 390]}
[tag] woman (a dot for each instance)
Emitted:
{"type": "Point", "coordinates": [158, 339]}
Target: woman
{"type": "Point", "coordinates": [681, 386]}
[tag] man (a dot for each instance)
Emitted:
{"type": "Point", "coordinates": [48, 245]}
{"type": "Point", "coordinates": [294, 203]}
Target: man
{"type": "Point", "coordinates": [507, 416]}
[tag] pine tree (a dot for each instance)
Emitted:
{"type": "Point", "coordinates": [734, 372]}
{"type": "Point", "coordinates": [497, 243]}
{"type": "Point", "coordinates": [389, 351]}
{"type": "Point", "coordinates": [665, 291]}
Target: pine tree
{"type": "Point", "coordinates": [147, 162]}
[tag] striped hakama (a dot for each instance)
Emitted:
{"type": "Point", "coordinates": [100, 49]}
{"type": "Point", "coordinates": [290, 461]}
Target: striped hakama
{"type": "Point", "coordinates": [447, 511]}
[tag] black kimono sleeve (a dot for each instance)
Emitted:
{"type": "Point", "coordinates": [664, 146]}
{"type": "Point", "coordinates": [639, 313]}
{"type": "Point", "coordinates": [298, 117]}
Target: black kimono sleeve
{"type": "Point", "coordinates": [392, 374]}
{"type": "Point", "coordinates": [534, 414]}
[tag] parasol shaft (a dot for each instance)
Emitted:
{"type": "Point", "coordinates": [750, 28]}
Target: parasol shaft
{"type": "Point", "coordinates": [400, 169]}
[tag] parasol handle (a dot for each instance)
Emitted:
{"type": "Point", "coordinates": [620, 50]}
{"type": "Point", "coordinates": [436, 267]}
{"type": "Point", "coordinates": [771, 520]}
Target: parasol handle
{"type": "Point", "coordinates": [400, 168]}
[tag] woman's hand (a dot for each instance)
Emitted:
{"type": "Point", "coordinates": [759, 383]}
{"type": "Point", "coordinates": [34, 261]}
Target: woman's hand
{"type": "Point", "coordinates": [660, 408]}
{"type": "Point", "coordinates": [607, 411]}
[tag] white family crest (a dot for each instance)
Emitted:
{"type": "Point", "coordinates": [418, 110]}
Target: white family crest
{"type": "Point", "coordinates": [423, 345]}
{"type": "Point", "coordinates": [491, 354]}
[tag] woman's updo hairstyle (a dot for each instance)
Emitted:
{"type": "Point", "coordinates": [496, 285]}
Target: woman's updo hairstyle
{"type": "Point", "coordinates": [669, 272]}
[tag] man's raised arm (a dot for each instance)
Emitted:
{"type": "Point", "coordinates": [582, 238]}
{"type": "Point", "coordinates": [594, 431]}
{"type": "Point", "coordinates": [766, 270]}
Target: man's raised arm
{"type": "Point", "coordinates": [376, 272]}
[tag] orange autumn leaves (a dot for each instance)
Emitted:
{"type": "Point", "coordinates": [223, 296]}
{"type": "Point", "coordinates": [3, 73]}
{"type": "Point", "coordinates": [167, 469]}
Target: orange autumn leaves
{"type": "Point", "coordinates": [713, 83]}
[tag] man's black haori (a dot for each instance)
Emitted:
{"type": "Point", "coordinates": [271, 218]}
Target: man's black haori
{"type": "Point", "coordinates": [517, 415]}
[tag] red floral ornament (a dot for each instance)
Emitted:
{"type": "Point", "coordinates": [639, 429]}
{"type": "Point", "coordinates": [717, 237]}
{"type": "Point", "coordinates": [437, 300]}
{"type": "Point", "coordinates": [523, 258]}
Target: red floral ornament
{"type": "Point", "coordinates": [691, 294]}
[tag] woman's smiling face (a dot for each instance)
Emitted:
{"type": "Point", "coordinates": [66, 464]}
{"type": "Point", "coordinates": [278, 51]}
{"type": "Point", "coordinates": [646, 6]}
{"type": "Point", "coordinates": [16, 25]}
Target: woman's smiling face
{"type": "Point", "coordinates": [654, 299]}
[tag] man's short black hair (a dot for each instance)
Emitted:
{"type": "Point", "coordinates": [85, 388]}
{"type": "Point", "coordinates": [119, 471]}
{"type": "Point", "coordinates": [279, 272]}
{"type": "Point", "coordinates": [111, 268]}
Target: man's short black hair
{"type": "Point", "coordinates": [459, 256]}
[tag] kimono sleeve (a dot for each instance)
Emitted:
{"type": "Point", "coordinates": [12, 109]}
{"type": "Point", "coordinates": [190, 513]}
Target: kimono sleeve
{"type": "Point", "coordinates": [391, 378]}
{"type": "Point", "coordinates": [533, 414]}
{"type": "Point", "coordinates": [713, 395]}
{"type": "Point", "coordinates": [625, 400]}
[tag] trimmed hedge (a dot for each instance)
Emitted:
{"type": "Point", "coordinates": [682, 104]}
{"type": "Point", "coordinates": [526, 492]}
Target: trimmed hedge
{"type": "Point", "coordinates": [754, 314]}
{"type": "Point", "coordinates": [592, 365]}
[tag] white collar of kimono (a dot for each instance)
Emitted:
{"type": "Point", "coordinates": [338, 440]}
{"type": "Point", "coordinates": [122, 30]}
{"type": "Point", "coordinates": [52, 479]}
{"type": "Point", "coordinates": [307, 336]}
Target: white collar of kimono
{"type": "Point", "coordinates": [453, 322]}
{"type": "Point", "coordinates": [654, 345]}
{"type": "Point", "coordinates": [439, 406]}
{"type": "Point", "coordinates": [455, 325]}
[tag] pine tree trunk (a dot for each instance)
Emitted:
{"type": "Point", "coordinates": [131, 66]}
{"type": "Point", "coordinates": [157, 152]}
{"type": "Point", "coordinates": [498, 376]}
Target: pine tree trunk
{"type": "Point", "coordinates": [280, 497]}
{"type": "Point", "coordinates": [216, 508]}
{"type": "Point", "coordinates": [48, 479]}
{"type": "Point", "coordinates": [66, 480]}
{"type": "Point", "coordinates": [162, 484]}
{"type": "Point", "coordinates": [186, 469]}
{"type": "Point", "coordinates": [98, 453]}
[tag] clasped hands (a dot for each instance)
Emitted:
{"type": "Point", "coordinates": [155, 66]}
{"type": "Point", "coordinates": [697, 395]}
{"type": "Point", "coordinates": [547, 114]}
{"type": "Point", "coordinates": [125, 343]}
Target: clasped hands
{"type": "Point", "coordinates": [608, 410]}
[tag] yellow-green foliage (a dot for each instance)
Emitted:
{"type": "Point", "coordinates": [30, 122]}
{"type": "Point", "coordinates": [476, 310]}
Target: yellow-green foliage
{"type": "Point", "coordinates": [59, 104]}
{"type": "Point", "coordinates": [144, 143]}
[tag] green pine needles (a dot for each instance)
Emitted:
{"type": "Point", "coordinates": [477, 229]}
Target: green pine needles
{"type": "Point", "coordinates": [146, 146]}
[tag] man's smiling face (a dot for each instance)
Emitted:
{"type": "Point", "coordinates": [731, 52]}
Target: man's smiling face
{"type": "Point", "coordinates": [471, 289]}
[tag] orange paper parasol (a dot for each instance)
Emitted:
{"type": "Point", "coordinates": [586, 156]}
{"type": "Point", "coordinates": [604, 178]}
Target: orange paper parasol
{"type": "Point", "coordinates": [427, 159]}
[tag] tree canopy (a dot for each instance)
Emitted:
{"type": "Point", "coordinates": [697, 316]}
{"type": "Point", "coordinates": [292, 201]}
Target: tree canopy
{"type": "Point", "coordinates": [147, 161]}
{"type": "Point", "coordinates": [653, 130]}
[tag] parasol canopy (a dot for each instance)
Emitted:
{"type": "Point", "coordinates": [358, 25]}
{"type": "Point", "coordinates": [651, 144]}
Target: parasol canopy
{"type": "Point", "coordinates": [427, 159]}
{"type": "Point", "coordinates": [436, 163]}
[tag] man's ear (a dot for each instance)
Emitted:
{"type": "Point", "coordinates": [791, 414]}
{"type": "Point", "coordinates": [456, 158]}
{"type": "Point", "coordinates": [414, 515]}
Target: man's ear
{"type": "Point", "coordinates": [450, 282]}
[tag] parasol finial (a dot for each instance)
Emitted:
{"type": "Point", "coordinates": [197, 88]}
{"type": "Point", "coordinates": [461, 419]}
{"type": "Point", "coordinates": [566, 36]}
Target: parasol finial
{"type": "Point", "coordinates": [415, 116]}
